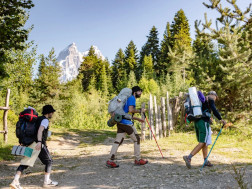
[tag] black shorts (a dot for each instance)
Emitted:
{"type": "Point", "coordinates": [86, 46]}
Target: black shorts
{"type": "Point", "coordinates": [45, 156]}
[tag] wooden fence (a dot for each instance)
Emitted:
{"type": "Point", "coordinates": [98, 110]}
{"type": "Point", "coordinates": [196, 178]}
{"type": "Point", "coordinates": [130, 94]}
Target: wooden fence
{"type": "Point", "coordinates": [6, 108]}
{"type": "Point", "coordinates": [162, 118]}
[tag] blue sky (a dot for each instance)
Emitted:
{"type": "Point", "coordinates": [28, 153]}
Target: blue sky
{"type": "Point", "coordinates": [108, 24]}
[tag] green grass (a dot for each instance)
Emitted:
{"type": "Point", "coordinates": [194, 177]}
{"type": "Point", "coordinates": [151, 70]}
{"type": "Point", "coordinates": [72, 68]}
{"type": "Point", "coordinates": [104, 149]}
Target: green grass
{"type": "Point", "coordinates": [231, 146]}
{"type": "Point", "coordinates": [5, 152]}
{"type": "Point", "coordinates": [5, 149]}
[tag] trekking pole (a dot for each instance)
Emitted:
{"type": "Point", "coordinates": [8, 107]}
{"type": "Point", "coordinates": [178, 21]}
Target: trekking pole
{"type": "Point", "coordinates": [211, 148]}
{"type": "Point", "coordinates": [153, 135]}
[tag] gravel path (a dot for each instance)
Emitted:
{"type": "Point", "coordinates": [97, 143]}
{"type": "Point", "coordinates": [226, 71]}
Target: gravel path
{"type": "Point", "coordinates": [84, 167]}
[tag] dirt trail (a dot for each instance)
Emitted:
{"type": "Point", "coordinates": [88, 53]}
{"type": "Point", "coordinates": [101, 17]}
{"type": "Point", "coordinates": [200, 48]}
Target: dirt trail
{"type": "Point", "coordinates": [78, 166]}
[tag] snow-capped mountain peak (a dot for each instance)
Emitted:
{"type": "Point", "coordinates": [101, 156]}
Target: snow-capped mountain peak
{"type": "Point", "coordinates": [70, 60]}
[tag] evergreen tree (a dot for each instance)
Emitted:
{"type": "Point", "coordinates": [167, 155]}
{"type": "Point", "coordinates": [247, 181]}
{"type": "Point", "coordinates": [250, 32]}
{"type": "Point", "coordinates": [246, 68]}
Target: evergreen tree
{"type": "Point", "coordinates": [132, 80]}
{"type": "Point", "coordinates": [118, 69]}
{"type": "Point", "coordinates": [99, 72]}
{"type": "Point", "coordinates": [153, 87]}
{"type": "Point", "coordinates": [148, 67]}
{"type": "Point", "coordinates": [123, 82]}
{"type": "Point", "coordinates": [166, 85]}
{"type": "Point", "coordinates": [165, 44]}
{"type": "Point", "coordinates": [92, 84]}
{"type": "Point", "coordinates": [233, 79]}
{"type": "Point", "coordinates": [151, 47]}
{"type": "Point", "coordinates": [180, 53]}
{"type": "Point", "coordinates": [206, 63]}
{"type": "Point", "coordinates": [87, 68]}
{"type": "Point", "coordinates": [144, 84]}
{"type": "Point", "coordinates": [104, 81]}
{"type": "Point", "coordinates": [47, 84]}
{"type": "Point", "coordinates": [178, 83]}
{"type": "Point", "coordinates": [131, 58]}
{"type": "Point", "coordinates": [42, 65]}
{"type": "Point", "coordinates": [180, 30]}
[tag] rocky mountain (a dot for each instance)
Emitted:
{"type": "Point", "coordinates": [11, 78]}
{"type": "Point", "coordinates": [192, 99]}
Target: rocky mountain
{"type": "Point", "coordinates": [70, 60]}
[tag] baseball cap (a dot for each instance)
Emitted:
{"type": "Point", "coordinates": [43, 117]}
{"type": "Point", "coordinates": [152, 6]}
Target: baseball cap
{"type": "Point", "coordinates": [212, 93]}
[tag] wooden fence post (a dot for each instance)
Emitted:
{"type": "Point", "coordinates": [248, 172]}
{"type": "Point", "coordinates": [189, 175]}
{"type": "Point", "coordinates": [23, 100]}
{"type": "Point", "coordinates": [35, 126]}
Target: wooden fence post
{"type": "Point", "coordinates": [182, 108]}
{"type": "Point", "coordinates": [163, 116]}
{"type": "Point", "coordinates": [5, 116]}
{"type": "Point", "coordinates": [156, 118]}
{"type": "Point", "coordinates": [160, 123]}
{"type": "Point", "coordinates": [151, 116]}
{"type": "Point", "coordinates": [169, 114]}
{"type": "Point", "coordinates": [143, 128]}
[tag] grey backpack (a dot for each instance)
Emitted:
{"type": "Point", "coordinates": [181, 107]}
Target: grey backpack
{"type": "Point", "coordinates": [117, 103]}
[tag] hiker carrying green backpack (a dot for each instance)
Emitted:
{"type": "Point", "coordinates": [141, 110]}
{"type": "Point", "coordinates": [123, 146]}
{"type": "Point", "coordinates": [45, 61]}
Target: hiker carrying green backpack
{"type": "Point", "coordinates": [202, 125]}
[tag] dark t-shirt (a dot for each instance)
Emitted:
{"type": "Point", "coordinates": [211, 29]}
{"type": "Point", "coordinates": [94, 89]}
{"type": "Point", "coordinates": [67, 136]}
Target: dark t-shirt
{"type": "Point", "coordinates": [209, 106]}
{"type": "Point", "coordinates": [45, 131]}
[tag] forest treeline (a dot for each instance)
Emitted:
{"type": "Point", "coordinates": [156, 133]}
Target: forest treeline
{"type": "Point", "coordinates": [218, 59]}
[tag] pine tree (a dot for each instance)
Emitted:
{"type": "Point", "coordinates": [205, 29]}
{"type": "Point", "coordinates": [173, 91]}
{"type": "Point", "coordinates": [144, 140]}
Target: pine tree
{"type": "Point", "coordinates": [178, 83]}
{"type": "Point", "coordinates": [118, 69]}
{"type": "Point", "coordinates": [87, 68]}
{"type": "Point", "coordinates": [180, 30]}
{"type": "Point", "coordinates": [165, 44]}
{"type": "Point", "coordinates": [151, 47]}
{"type": "Point", "coordinates": [92, 84]}
{"type": "Point", "coordinates": [233, 79]}
{"type": "Point", "coordinates": [153, 87]}
{"type": "Point", "coordinates": [99, 71]}
{"type": "Point", "coordinates": [166, 85]}
{"type": "Point", "coordinates": [123, 82]}
{"type": "Point", "coordinates": [131, 80]}
{"type": "Point", "coordinates": [206, 62]}
{"type": "Point", "coordinates": [42, 65]}
{"type": "Point", "coordinates": [47, 84]}
{"type": "Point", "coordinates": [180, 53]}
{"type": "Point", "coordinates": [148, 67]}
{"type": "Point", "coordinates": [144, 84]}
{"type": "Point", "coordinates": [104, 81]}
{"type": "Point", "coordinates": [131, 58]}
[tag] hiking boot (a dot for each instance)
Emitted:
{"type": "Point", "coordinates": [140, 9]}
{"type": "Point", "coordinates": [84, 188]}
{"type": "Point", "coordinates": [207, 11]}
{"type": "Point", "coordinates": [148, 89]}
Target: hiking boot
{"type": "Point", "coordinates": [187, 161]}
{"type": "Point", "coordinates": [15, 185]}
{"type": "Point", "coordinates": [141, 162]}
{"type": "Point", "coordinates": [208, 164]}
{"type": "Point", "coordinates": [111, 164]}
{"type": "Point", "coordinates": [50, 183]}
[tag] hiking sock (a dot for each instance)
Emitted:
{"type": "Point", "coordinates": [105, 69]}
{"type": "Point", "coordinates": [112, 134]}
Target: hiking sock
{"type": "Point", "coordinates": [190, 156]}
{"type": "Point", "coordinates": [16, 178]}
{"type": "Point", "coordinates": [47, 176]}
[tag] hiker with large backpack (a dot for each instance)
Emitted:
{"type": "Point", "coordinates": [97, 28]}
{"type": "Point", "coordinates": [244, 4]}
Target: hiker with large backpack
{"type": "Point", "coordinates": [34, 135]}
{"type": "Point", "coordinates": [202, 125]}
{"type": "Point", "coordinates": [126, 125]}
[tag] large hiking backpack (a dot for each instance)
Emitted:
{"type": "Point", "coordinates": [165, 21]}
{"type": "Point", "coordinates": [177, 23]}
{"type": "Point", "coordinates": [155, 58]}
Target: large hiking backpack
{"type": "Point", "coordinates": [116, 105]}
{"type": "Point", "coordinates": [26, 130]}
{"type": "Point", "coordinates": [193, 105]}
